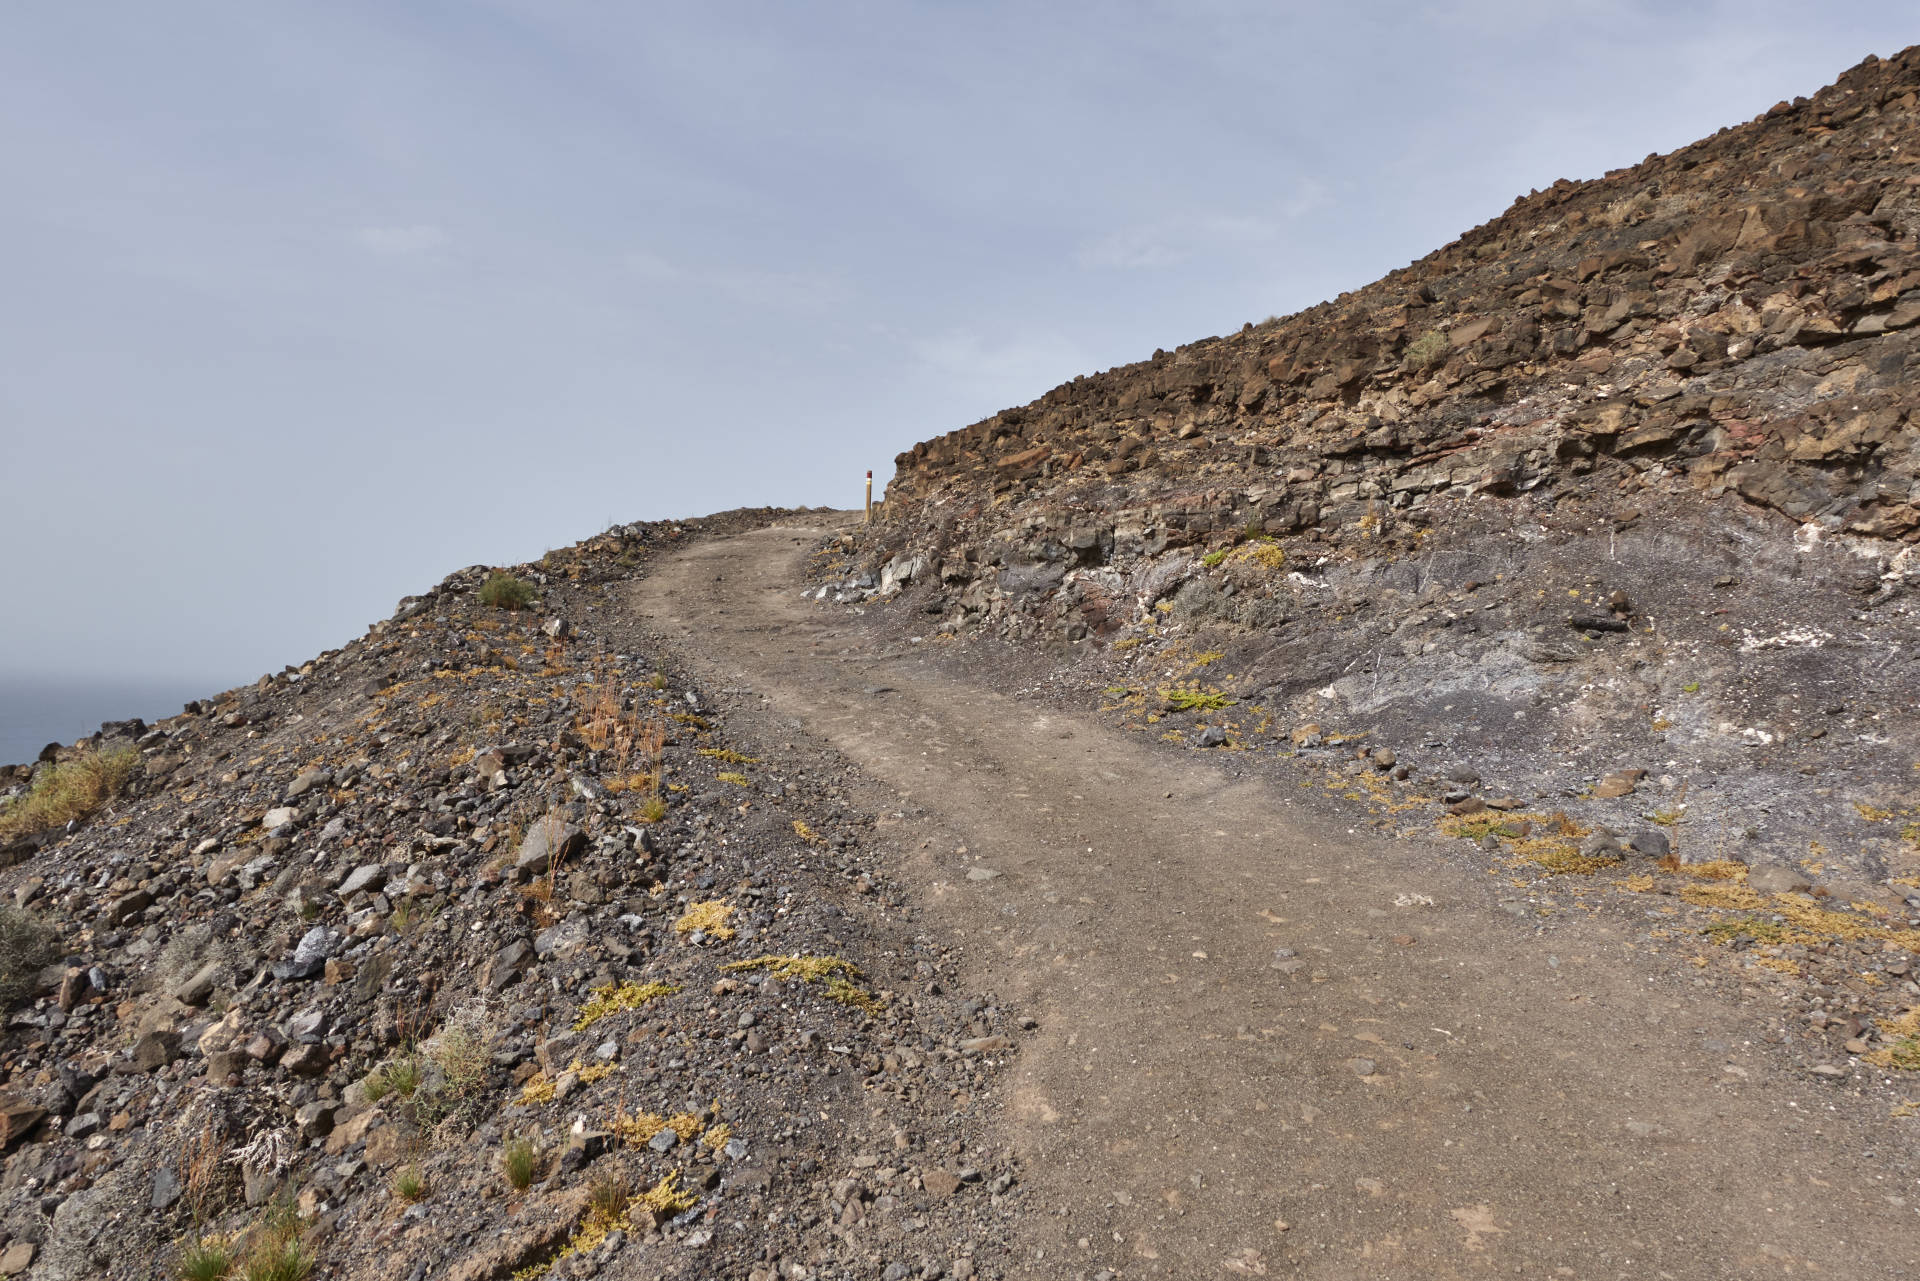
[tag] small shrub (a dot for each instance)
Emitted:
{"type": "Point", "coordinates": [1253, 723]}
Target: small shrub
{"type": "Point", "coordinates": [652, 810]}
{"type": "Point", "coordinates": [278, 1249]}
{"type": "Point", "coordinates": [208, 1259]}
{"type": "Point", "coordinates": [464, 1049]}
{"type": "Point", "coordinates": [504, 591]}
{"type": "Point", "coordinates": [518, 1162]}
{"type": "Point", "coordinates": [27, 945]}
{"type": "Point", "coordinates": [1427, 350]}
{"type": "Point", "coordinates": [70, 790]}
{"type": "Point", "coordinates": [410, 1184]}
{"type": "Point", "coordinates": [607, 1198]}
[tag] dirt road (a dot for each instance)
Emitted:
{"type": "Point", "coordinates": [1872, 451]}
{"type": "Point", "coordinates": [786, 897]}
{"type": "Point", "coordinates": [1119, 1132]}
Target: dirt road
{"type": "Point", "coordinates": [1270, 1045]}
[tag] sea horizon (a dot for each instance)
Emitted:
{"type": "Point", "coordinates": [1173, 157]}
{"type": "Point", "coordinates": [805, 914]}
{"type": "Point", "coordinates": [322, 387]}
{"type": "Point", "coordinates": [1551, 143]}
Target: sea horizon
{"type": "Point", "coordinates": [36, 710]}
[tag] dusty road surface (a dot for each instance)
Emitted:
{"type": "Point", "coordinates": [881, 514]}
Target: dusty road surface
{"type": "Point", "coordinates": [1270, 1046]}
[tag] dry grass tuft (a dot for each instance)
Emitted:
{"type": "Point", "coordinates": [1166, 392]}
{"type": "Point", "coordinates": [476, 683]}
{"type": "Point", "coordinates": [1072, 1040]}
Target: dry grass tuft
{"type": "Point", "coordinates": [67, 792]}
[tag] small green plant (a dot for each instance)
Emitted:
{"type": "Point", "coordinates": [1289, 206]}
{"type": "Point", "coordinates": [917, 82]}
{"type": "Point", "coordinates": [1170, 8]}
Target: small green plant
{"type": "Point", "coordinates": [503, 591]}
{"type": "Point", "coordinates": [1427, 350]}
{"type": "Point", "coordinates": [27, 945]}
{"type": "Point", "coordinates": [1213, 558]}
{"type": "Point", "coordinates": [70, 790]}
{"type": "Point", "coordinates": [400, 1076]}
{"type": "Point", "coordinates": [659, 680]}
{"type": "Point", "coordinates": [410, 1184]}
{"type": "Point", "coordinates": [518, 1161]}
{"type": "Point", "coordinates": [208, 1258]}
{"type": "Point", "coordinates": [652, 810]}
{"type": "Point", "coordinates": [1691, 687]}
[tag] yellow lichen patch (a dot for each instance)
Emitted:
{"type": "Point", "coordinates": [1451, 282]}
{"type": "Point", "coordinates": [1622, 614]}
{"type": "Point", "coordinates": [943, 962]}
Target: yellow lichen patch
{"type": "Point", "coordinates": [637, 1131]}
{"type": "Point", "coordinates": [1195, 698]}
{"type": "Point", "coordinates": [708, 917]}
{"type": "Point", "coordinates": [538, 1089]}
{"type": "Point", "coordinates": [728, 757]}
{"type": "Point", "coordinates": [1901, 1043]}
{"type": "Point", "coordinates": [1634, 884]}
{"type": "Point", "coordinates": [615, 997]}
{"type": "Point", "coordinates": [805, 833]}
{"type": "Point", "coordinates": [854, 996]}
{"type": "Point", "coordinates": [1546, 841]}
{"type": "Point", "coordinates": [686, 1125]}
{"type": "Point", "coordinates": [716, 1136]}
{"type": "Point", "coordinates": [738, 780]}
{"type": "Point", "coordinates": [1263, 552]}
{"type": "Point", "coordinates": [806, 969]}
{"type": "Point", "coordinates": [1724, 895]}
{"type": "Point", "coordinates": [593, 1072]}
{"type": "Point", "coordinates": [1720, 869]}
{"type": "Point", "coordinates": [667, 1196]}
{"type": "Point", "coordinates": [664, 1198]}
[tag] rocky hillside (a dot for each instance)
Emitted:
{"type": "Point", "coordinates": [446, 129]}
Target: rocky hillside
{"type": "Point", "coordinates": [476, 948]}
{"type": "Point", "coordinates": [1611, 500]}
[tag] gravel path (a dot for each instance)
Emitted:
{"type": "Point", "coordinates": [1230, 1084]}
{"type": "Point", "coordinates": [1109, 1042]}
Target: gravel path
{"type": "Point", "coordinates": [1269, 1044]}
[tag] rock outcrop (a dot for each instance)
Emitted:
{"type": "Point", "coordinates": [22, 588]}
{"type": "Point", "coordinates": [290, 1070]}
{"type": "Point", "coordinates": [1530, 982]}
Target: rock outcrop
{"type": "Point", "coordinates": [1626, 479]}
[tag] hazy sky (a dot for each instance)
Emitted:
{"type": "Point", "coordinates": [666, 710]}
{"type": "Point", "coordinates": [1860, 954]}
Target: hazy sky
{"type": "Point", "coordinates": [305, 306]}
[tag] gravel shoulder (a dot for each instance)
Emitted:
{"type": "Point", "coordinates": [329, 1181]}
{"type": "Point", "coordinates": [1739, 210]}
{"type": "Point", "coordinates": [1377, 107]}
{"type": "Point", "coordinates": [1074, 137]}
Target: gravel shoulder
{"type": "Point", "coordinates": [1268, 1043]}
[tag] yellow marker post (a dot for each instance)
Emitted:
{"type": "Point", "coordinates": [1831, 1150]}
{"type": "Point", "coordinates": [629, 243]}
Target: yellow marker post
{"type": "Point", "coordinates": [869, 496]}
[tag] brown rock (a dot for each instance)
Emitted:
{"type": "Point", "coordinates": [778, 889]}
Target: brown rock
{"type": "Point", "coordinates": [17, 1258]}
{"type": "Point", "coordinates": [306, 1060]}
{"type": "Point", "coordinates": [939, 1183]}
{"type": "Point", "coordinates": [17, 1117]}
{"type": "Point", "coordinates": [155, 1050]}
{"type": "Point", "coordinates": [386, 1145]}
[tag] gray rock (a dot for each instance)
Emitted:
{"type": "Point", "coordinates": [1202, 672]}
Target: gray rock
{"type": "Point", "coordinates": [278, 817]}
{"type": "Point", "coordinates": [307, 781]}
{"type": "Point", "coordinates": [1652, 843]}
{"type": "Point", "coordinates": [1776, 878]}
{"type": "Point", "coordinates": [310, 955]}
{"type": "Point", "coordinates": [663, 1141]}
{"type": "Point", "coordinates": [198, 987]}
{"type": "Point", "coordinates": [1212, 736]}
{"type": "Point", "coordinates": [309, 1027]}
{"type": "Point", "coordinates": [368, 876]}
{"type": "Point", "coordinates": [547, 842]}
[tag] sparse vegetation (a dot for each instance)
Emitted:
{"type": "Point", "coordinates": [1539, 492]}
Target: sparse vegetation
{"type": "Point", "coordinates": [518, 1161]}
{"type": "Point", "coordinates": [410, 1184]}
{"type": "Point", "coordinates": [278, 1249]}
{"type": "Point", "coordinates": [68, 791]}
{"type": "Point", "coordinates": [27, 945]}
{"type": "Point", "coordinates": [1186, 699]}
{"type": "Point", "coordinates": [399, 1076]}
{"type": "Point", "coordinates": [207, 1258]}
{"type": "Point", "coordinates": [709, 918]}
{"type": "Point", "coordinates": [1427, 350]}
{"type": "Point", "coordinates": [615, 997]}
{"type": "Point", "coordinates": [503, 591]}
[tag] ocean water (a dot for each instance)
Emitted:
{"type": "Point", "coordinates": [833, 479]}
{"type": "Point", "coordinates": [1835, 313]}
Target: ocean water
{"type": "Point", "coordinates": [35, 711]}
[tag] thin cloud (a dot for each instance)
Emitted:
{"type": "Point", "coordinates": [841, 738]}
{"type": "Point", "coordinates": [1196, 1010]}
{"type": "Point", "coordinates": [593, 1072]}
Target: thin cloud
{"type": "Point", "coordinates": [1178, 239]}
{"type": "Point", "coordinates": [401, 241]}
{"type": "Point", "coordinates": [777, 290]}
